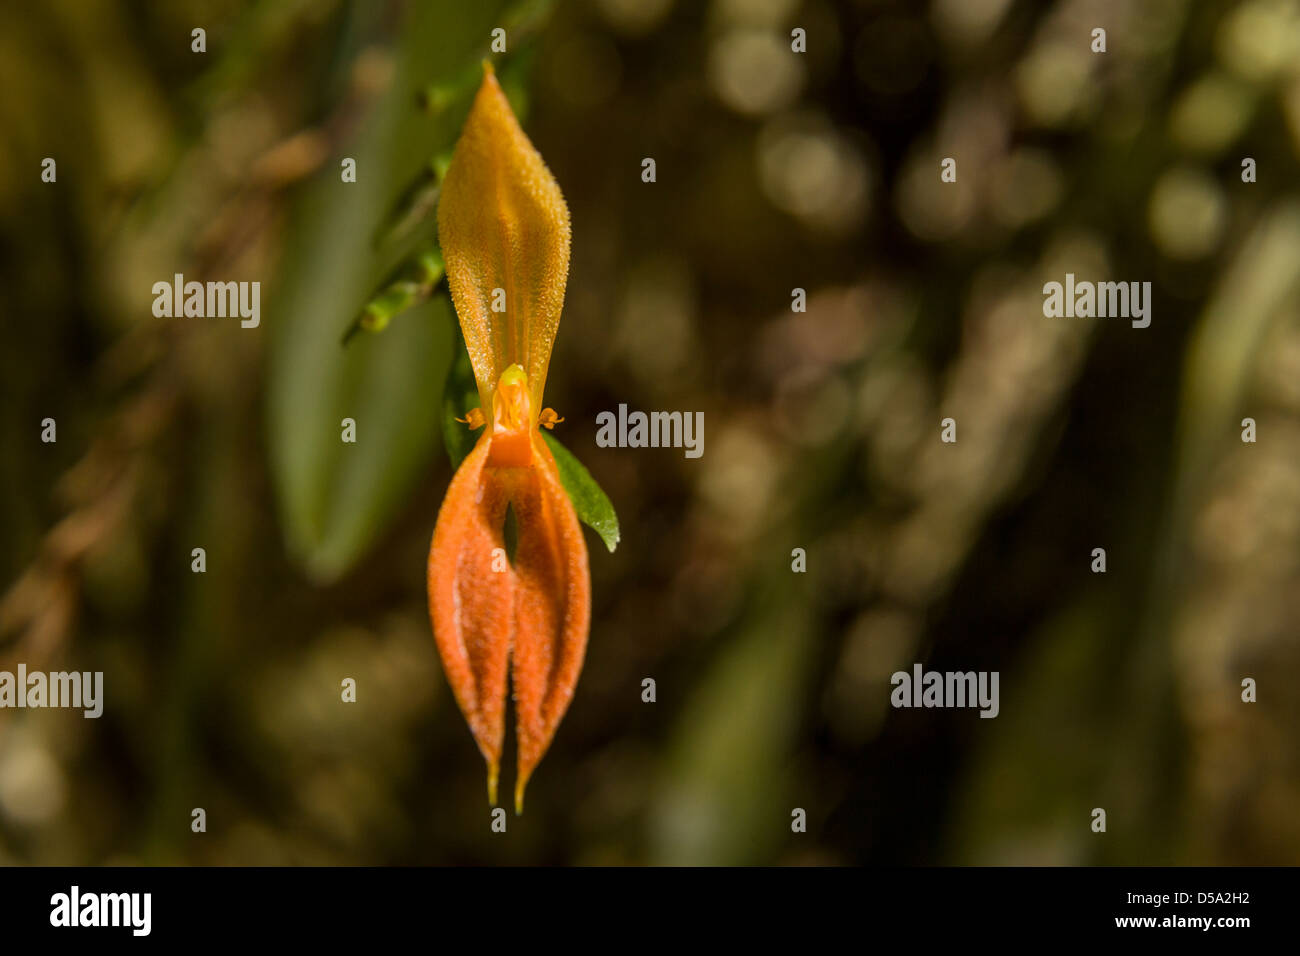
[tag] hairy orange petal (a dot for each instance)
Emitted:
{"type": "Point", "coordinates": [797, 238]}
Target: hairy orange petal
{"type": "Point", "coordinates": [552, 609]}
{"type": "Point", "coordinates": [472, 606]}
{"type": "Point", "coordinates": [503, 224]}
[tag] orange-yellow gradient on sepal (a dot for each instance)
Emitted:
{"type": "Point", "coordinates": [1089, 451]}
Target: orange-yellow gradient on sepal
{"type": "Point", "coordinates": [504, 230]}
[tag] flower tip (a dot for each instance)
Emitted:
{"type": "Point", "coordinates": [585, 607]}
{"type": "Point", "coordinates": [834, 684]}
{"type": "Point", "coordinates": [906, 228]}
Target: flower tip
{"type": "Point", "coordinates": [488, 69]}
{"type": "Point", "coordinates": [519, 796]}
{"type": "Point", "coordinates": [492, 784]}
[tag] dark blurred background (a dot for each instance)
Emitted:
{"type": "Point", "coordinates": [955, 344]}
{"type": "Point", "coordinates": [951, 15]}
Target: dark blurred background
{"type": "Point", "coordinates": [775, 170]}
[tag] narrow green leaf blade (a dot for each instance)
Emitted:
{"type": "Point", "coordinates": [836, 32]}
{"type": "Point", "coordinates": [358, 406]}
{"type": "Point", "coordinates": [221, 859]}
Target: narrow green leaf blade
{"type": "Point", "coordinates": [590, 501]}
{"type": "Point", "coordinates": [335, 499]}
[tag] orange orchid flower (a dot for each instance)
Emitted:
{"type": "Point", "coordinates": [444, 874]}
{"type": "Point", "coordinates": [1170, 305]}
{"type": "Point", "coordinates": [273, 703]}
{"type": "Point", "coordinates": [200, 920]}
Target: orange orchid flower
{"type": "Point", "coordinates": [504, 230]}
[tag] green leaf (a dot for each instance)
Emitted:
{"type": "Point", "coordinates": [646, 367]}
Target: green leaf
{"type": "Point", "coordinates": [589, 499]}
{"type": "Point", "coordinates": [415, 207]}
{"type": "Point", "coordinates": [334, 499]}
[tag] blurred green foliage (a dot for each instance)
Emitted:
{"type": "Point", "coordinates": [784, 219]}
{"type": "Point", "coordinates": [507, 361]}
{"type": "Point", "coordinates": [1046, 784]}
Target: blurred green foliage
{"type": "Point", "coordinates": [335, 497]}
{"type": "Point", "coordinates": [775, 171]}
